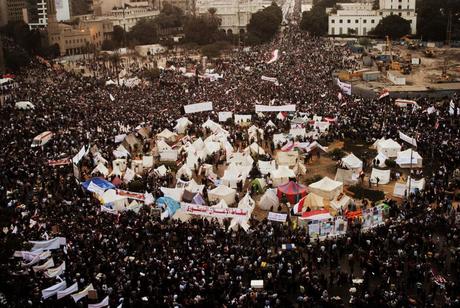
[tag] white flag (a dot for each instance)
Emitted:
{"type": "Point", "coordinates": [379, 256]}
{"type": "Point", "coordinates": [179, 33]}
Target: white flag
{"type": "Point", "coordinates": [72, 289]}
{"type": "Point", "coordinates": [48, 292]}
{"type": "Point", "coordinates": [44, 266]}
{"type": "Point", "coordinates": [53, 272]}
{"type": "Point", "coordinates": [129, 175]}
{"type": "Point", "coordinates": [111, 97]}
{"type": "Point", "coordinates": [105, 302]}
{"type": "Point", "coordinates": [76, 159]}
{"type": "Point", "coordinates": [77, 296]}
{"type": "Point", "coordinates": [108, 210]}
{"type": "Point", "coordinates": [54, 243]}
{"type": "Point", "coordinates": [408, 139]}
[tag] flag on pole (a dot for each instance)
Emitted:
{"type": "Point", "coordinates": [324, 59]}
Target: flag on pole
{"type": "Point", "coordinates": [104, 303]}
{"type": "Point", "coordinates": [72, 289]}
{"type": "Point", "coordinates": [48, 292]}
{"type": "Point", "coordinates": [77, 296]}
{"type": "Point", "coordinates": [111, 97]}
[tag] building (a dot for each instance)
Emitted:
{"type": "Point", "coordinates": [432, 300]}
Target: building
{"type": "Point", "coordinates": [360, 18]}
{"type": "Point", "coordinates": [234, 14]}
{"type": "Point", "coordinates": [187, 6]}
{"type": "Point", "coordinates": [2, 58]}
{"type": "Point", "coordinates": [16, 10]}
{"type": "Point", "coordinates": [87, 36]}
{"type": "Point", "coordinates": [3, 13]}
{"type": "Point", "coordinates": [37, 17]}
{"type": "Point", "coordinates": [105, 7]}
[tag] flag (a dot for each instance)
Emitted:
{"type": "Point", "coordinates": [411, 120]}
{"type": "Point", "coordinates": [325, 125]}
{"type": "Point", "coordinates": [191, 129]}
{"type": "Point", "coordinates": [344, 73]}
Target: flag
{"type": "Point", "coordinates": [436, 125]}
{"type": "Point", "coordinates": [271, 79]}
{"type": "Point", "coordinates": [111, 97]}
{"type": "Point", "coordinates": [345, 87]}
{"type": "Point", "coordinates": [59, 162]}
{"type": "Point", "coordinates": [129, 175]}
{"type": "Point", "coordinates": [452, 108]}
{"type": "Point", "coordinates": [77, 296]}
{"type": "Point", "coordinates": [54, 243]}
{"type": "Point", "coordinates": [48, 292]}
{"type": "Point", "coordinates": [44, 266]}
{"type": "Point", "coordinates": [53, 272]}
{"type": "Point", "coordinates": [76, 159]}
{"type": "Point", "coordinates": [72, 289]}
{"type": "Point", "coordinates": [275, 56]}
{"type": "Point", "coordinates": [407, 139]}
{"type": "Point", "coordinates": [384, 93]}
{"type": "Point", "coordinates": [105, 302]}
{"type": "Point", "coordinates": [95, 189]}
{"type": "Point", "coordinates": [339, 96]}
{"type": "Point", "coordinates": [109, 210]}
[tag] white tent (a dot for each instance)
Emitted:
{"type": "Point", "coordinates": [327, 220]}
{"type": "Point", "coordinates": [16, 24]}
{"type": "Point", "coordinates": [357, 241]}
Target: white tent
{"type": "Point", "coordinates": [240, 159]}
{"type": "Point", "coordinates": [231, 177]}
{"type": "Point", "coordinates": [101, 169]}
{"type": "Point", "coordinates": [24, 105]}
{"type": "Point", "coordinates": [167, 135]}
{"type": "Point", "coordinates": [182, 125]}
{"type": "Point", "coordinates": [287, 158]}
{"type": "Point", "coordinates": [247, 203]}
{"type": "Point", "coordinates": [266, 167]}
{"type": "Point", "coordinates": [327, 188]}
{"type": "Point", "coordinates": [415, 184]}
{"type": "Point", "coordinates": [198, 144]}
{"type": "Point", "coordinates": [254, 148]}
{"type": "Point", "coordinates": [388, 147]}
{"type": "Point", "coordinates": [184, 170]}
{"type": "Point", "coordinates": [173, 193]}
{"type": "Point", "coordinates": [348, 177]}
{"type": "Point", "coordinates": [168, 155]}
{"type": "Point", "coordinates": [340, 203]}
{"type": "Point", "coordinates": [269, 200]}
{"type": "Point", "coordinates": [222, 192]}
{"type": "Point", "coordinates": [253, 131]}
{"type": "Point", "coordinates": [281, 175]}
{"type": "Point", "coordinates": [270, 124]}
{"type": "Point", "coordinates": [212, 126]}
{"type": "Point", "coordinates": [118, 202]}
{"type": "Point", "coordinates": [383, 175]}
{"type": "Point", "coordinates": [147, 161]}
{"type": "Point", "coordinates": [353, 163]}
{"type": "Point", "coordinates": [162, 146]}
{"type": "Point", "coordinates": [161, 171]}
{"type": "Point", "coordinates": [120, 163]}
{"type": "Point", "coordinates": [137, 166]}
{"type": "Point", "coordinates": [211, 147]}
{"type": "Point", "coordinates": [404, 159]}
{"type": "Point", "coordinates": [380, 160]}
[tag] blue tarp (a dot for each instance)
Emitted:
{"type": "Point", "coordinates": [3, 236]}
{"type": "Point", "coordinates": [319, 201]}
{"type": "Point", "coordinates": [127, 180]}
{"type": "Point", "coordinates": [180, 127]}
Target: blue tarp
{"type": "Point", "coordinates": [99, 182]}
{"type": "Point", "coordinates": [171, 205]}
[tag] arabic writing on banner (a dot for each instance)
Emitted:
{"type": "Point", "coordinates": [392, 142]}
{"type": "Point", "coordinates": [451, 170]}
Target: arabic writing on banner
{"type": "Point", "coordinates": [202, 210]}
{"type": "Point", "coordinates": [279, 217]}
{"type": "Point", "coordinates": [267, 108]}
{"type": "Point", "coordinates": [131, 195]}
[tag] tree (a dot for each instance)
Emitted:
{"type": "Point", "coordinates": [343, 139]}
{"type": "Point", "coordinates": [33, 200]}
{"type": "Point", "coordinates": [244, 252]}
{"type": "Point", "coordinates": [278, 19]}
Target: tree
{"type": "Point", "coordinates": [315, 21]}
{"type": "Point", "coordinates": [118, 36]}
{"type": "Point", "coordinates": [393, 26]}
{"type": "Point", "coordinates": [108, 45]}
{"type": "Point", "coordinates": [201, 29]}
{"type": "Point", "coordinates": [264, 24]}
{"type": "Point", "coordinates": [432, 18]}
{"type": "Point", "coordinates": [170, 17]}
{"type": "Point", "coordinates": [144, 32]}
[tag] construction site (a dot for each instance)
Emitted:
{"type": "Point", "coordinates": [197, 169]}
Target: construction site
{"type": "Point", "coordinates": [405, 67]}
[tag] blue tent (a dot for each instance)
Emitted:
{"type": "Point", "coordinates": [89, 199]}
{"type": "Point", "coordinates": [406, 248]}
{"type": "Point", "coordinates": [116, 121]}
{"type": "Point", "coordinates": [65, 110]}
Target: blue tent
{"type": "Point", "coordinates": [99, 182]}
{"type": "Point", "coordinates": [171, 205]}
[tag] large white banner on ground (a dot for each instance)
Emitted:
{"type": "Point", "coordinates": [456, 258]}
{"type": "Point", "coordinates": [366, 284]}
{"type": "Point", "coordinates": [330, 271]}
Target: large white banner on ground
{"type": "Point", "coordinates": [345, 87]}
{"type": "Point", "coordinates": [267, 108]}
{"type": "Point", "coordinates": [200, 107]}
{"type": "Point", "coordinates": [202, 210]}
{"type": "Point", "coordinates": [280, 217]}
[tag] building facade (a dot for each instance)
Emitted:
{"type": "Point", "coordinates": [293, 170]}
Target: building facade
{"type": "Point", "coordinates": [16, 10]}
{"type": "Point", "coordinates": [360, 18]}
{"type": "Point", "coordinates": [3, 13]}
{"type": "Point", "coordinates": [234, 14]}
{"type": "Point", "coordinates": [87, 36]}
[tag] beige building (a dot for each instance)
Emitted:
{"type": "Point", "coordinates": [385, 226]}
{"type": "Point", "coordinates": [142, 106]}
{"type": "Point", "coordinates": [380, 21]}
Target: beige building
{"type": "Point", "coordinates": [16, 10]}
{"type": "Point", "coordinates": [235, 14]}
{"type": "Point", "coordinates": [80, 38]}
{"type": "Point", "coordinates": [3, 13]}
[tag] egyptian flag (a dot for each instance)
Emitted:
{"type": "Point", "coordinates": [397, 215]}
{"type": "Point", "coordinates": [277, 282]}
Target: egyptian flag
{"type": "Point", "coordinates": [275, 56]}
{"type": "Point", "coordinates": [384, 93]}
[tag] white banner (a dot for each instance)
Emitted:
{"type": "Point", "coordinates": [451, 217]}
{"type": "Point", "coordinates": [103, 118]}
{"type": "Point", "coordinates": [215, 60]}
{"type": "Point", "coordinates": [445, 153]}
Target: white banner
{"type": "Point", "coordinates": [120, 138]}
{"type": "Point", "coordinates": [55, 243]}
{"type": "Point", "coordinates": [266, 108]}
{"type": "Point", "coordinates": [271, 79]}
{"type": "Point", "coordinates": [56, 271]}
{"type": "Point", "coordinates": [48, 292]}
{"type": "Point", "coordinates": [200, 107]}
{"type": "Point", "coordinates": [407, 139]}
{"type": "Point", "coordinates": [77, 296]}
{"type": "Point", "coordinates": [225, 115]}
{"type": "Point", "coordinates": [345, 87]}
{"type": "Point", "coordinates": [277, 217]}
{"type": "Point", "coordinates": [44, 266]}
{"type": "Point", "coordinates": [202, 210]}
{"type": "Point", "coordinates": [104, 303]}
{"type": "Point", "coordinates": [72, 289]}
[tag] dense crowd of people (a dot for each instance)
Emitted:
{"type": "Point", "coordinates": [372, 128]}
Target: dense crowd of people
{"type": "Point", "coordinates": [138, 260]}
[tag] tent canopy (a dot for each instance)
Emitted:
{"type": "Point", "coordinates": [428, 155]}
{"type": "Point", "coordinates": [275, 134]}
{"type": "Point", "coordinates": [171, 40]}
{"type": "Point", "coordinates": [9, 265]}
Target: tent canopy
{"type": "Point", "coordinates": [293, 191]}
{"type": "Point", "coordinates": [24, 105]}
{"type": "Point", "coordinates": [352, 162]}
{"type": "Point", "coordinates": [327, 188]}
{"type": "Point", "coordinates": [269, 200]}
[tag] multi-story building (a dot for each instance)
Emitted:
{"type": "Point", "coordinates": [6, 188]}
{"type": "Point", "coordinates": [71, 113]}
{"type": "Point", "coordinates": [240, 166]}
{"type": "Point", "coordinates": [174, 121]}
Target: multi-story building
{"type": "Point", "coordinates": [234, 14]}
{"type": "Point", "coordinates": [38, 12]}
{"type": "Point", "coordinates": [105, 7]}
{"type": "Point", "coordinates": [3, 13]}
{"type": "Point", "coordinates": [360, 18]}
{"type": "Point", "coordinates": [16, 10]}
{"type": "Point", "coordinates": [76, 39]}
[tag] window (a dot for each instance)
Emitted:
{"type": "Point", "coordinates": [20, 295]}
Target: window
{"type": "Point", "coordinates": [399, 14]}
{"type": "Point", "coordinates": [333, 21]}
{"type": "Point", "coordinates": [372, 21]}
{"type": "Point", "coordinates": [348, 21]}
{"type": "Point", "coordinates": [364, 31]}
{"type": "Point", "coordinates": [356, 21]}
{"type": "Point", "coordinates": [399, 7]}
{"type": "Point", "coordinates": [408, 13]}
{"type": "Point", "coordinates": [340, 31]}
{"type": "Point", "coordinates": [340, 21]}
{"type": "Point", "coordinates": [332, 31]}
{"type": "Point", "coordinates": [365, 21]}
